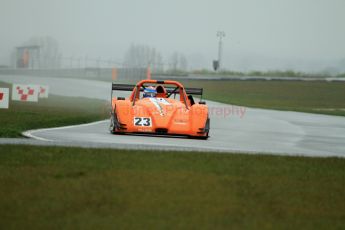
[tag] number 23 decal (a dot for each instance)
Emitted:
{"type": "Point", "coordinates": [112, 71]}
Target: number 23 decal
{"type": "Point", "coordinates": [142, 121]}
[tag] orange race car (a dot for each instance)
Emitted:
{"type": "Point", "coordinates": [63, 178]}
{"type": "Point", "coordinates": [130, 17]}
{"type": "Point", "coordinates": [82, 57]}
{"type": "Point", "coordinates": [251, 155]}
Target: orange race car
{"type": "Point", "coordinates": [159, 107]}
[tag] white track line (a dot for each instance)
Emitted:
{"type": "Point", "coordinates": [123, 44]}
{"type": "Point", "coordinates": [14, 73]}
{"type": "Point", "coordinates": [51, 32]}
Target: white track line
{"type": "Point", "coordinates": [30, 133]}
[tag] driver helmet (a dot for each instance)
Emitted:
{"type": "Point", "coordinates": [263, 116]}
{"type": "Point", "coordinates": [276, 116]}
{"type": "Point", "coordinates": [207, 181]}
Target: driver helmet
{"type": "Point", "coordinates": [150, 92]}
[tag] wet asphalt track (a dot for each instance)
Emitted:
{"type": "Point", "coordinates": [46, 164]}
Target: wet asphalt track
{"type": "Point", "coordinates": [233, 128]}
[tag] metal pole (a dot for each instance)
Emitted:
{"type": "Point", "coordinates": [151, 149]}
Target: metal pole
{"type": "Point", "coordinates": [220, 34]}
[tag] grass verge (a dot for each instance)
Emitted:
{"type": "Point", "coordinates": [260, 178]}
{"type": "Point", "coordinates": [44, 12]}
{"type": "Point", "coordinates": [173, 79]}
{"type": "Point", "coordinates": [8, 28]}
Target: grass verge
{"type": "Point", "coordinates": [52, 112]}
{"type": "Point", "coordinates": [272, 73]}
{"type": "Point", "coordinates": [313, 97]}
{"type": "Point", "coordinates": [74, 188]}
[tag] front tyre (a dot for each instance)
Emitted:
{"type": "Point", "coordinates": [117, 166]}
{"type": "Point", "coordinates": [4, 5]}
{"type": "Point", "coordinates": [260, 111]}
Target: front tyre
{"type": "Point", "coordinates": [206, 130]}
{"type": "Point", "coordinates": [112, 125]}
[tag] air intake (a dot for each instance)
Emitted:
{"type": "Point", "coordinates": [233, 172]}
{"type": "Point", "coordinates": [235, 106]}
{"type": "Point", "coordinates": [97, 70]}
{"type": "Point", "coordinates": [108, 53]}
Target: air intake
{"type": "Point", "coordinates": [161, 131]}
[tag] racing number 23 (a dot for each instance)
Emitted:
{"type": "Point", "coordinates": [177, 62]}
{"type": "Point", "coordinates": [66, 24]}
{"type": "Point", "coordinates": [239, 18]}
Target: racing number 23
{"type": "Point", "coordinates": [142, 121]}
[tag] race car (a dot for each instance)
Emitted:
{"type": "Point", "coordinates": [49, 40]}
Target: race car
{"type": "Point", "coordinates": [160, 108]}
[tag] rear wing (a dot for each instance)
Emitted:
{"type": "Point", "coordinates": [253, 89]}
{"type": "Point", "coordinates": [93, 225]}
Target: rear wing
{"type": "Point", "coordinates": [170, 90]}
{"type": "Point", "coordinates": [194, 91]}
{"type": "Point", "coordinates": [122, 87]}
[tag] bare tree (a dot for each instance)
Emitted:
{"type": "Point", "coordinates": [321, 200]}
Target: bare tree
{"type": "Point", "coordinates": [159, 65]}
{"type": "Point", "coordinates": [178, 62]}
{"type": "Point", "coordinates": [142, 56]}
{"type": "Point", "coordinates": [183, 63]}
{"type": "Point", "coordinates": [173, 62]}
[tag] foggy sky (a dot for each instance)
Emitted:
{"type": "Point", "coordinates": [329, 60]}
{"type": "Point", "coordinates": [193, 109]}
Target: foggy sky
{"type": "Point", "coordinates": [260, 34]}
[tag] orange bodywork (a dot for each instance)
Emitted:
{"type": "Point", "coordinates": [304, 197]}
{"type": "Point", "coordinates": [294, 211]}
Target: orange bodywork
{"type": "Point", "coordinates": [161, 114]}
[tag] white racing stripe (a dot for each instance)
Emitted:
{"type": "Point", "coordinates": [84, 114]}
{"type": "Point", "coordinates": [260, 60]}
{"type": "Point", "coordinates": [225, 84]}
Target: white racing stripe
{"type": "Point", "coordinates": [163, 101]}
{"type": "Point", "coordinates": [156, 102]}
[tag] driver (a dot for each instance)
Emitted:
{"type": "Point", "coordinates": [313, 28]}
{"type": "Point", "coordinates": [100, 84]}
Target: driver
{"type": "Point", "coordinates": [150, 92]}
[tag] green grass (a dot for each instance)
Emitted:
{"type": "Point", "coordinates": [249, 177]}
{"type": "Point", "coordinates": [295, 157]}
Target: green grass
{"type": "Point", "coordinates": [73, 188]}
{"type": "Point", "coordinates": [52, 112]}
{"type": "Point", "coordinates": [269, 73]}
{"type": "Point", "coordinates": [313, 97]}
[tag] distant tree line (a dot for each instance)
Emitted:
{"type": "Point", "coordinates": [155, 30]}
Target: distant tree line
{"type": "Point", "coordinates": [142, 56]}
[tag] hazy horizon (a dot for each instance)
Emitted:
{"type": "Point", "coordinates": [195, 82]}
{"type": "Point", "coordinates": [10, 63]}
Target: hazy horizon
{"type": "Point", "coordinates": [270, 34]}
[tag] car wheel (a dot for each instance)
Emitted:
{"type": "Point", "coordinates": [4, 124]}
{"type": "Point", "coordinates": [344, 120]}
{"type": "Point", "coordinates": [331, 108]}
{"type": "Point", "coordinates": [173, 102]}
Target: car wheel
{"type": "Point", "coordinates": [112, 124]}
{"type": "Point", "coordinates": [113, 127]}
